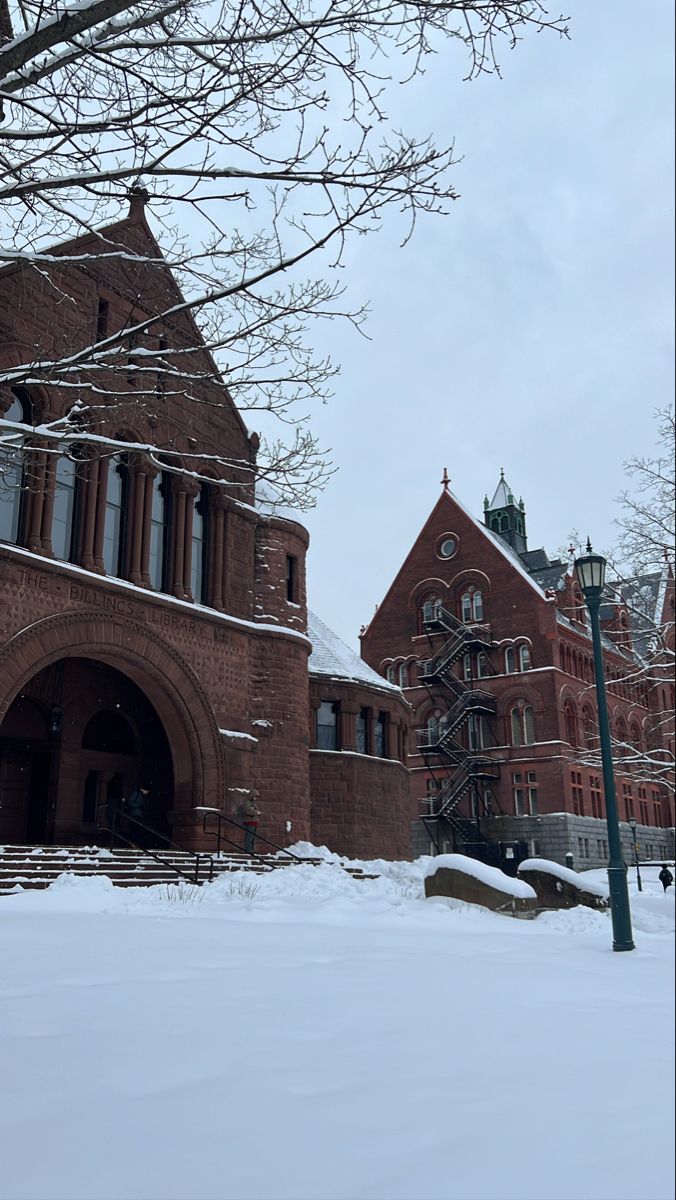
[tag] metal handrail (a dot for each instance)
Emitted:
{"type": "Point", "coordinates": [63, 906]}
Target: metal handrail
{"type": "Point", "coordinates": [221, 816]}
{"type": "Point", "coordinates": [115, 833]}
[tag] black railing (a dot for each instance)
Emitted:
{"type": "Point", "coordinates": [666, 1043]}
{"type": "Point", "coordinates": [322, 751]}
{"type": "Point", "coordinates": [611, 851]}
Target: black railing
{"type": "Point", "coordinates": [221, 817]}
{"type": "Point", "coordinates": [113, 828]}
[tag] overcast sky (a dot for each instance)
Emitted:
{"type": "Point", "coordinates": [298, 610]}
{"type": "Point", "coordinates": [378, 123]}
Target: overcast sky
{"type": "Point", "coordinates": [531, 329]}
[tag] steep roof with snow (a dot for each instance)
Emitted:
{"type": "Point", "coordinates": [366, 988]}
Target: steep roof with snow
{"type": "Point", "coordinates": [333, 659]}
{"type": "Point", "coordinates": [503, 495]}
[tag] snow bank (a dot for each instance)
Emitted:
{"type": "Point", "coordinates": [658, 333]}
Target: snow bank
{"type": "Point", "coordinates": [491, 876]}
{"type": "Point", "coordinates": [563, 873]}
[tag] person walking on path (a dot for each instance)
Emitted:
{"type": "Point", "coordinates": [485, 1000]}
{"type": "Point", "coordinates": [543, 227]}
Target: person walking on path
{"type": "Point", "coordinates": [665, 877]}
{"type": "Point", "coordinates": [250, 812]}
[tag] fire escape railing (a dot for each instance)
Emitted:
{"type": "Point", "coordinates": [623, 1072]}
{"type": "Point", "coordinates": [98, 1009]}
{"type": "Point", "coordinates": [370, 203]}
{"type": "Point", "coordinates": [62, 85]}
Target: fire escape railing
{"type": "Point", "coordinates": [467, 766]}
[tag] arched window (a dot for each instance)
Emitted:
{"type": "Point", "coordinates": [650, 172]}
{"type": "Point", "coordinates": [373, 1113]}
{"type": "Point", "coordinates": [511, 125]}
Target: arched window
{"type": "Point", "coordinates": [199, 582]}
{"type": "Point", "coordinates": [12, 472]}
{"type": "Point", "coordinates": [509, 660]}
{"type": "Point", "coordinates": [570, 722]}
{"type": "Point", "coordinates": [115, 526]}
{"type": "Point", "coordinates": [522, 724]}
{"type": "Point", "coordinates": [471, 605]}
{"type": "Point", "coordinates": [524, 657]}
{"type": "Point", "coordinates": [481, 665]}
{"type": "Point", "coordinates": [635, 735]}
{"type": "Point", "coordinates": [621, 735]}
{"type": "Point", "coordinates": [467, 667]}
{"type": "Point", "coordinates": [430, 608]}
{"type": "Point", "coordinates": [160, 530]}
{"type": "Point", "coordinates": [403, 675]}
{"type": "Point", "coordinates": [389, 673]}
{"type": "Point", "coordinates": [66, 509]}
{"type": "Point", "coordinates": [589, 727]}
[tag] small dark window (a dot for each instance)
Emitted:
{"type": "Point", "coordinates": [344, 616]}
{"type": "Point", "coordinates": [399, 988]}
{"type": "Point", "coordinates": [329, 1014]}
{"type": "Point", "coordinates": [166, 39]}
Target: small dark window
{"type": "Point", "coordinates": [102, 320]}
{"type": "Point", "coordinates": [327, 725]}
{"type": "Point", "coordinates": [291, 579]}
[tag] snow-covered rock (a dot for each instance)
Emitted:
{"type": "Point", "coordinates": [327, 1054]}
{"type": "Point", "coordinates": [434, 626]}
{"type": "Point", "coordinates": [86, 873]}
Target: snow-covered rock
{"type": "Point", "coordinates": [461, 878]}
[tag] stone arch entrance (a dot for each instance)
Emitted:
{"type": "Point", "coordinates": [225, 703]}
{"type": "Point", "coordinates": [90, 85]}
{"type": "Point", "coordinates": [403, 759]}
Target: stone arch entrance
{"type": "Point", "coordinates": [116, 707]}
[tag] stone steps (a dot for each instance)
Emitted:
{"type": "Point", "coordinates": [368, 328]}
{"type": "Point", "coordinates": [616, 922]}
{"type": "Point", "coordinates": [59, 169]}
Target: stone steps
{"type": "Point", "coordinates": [33, 867]}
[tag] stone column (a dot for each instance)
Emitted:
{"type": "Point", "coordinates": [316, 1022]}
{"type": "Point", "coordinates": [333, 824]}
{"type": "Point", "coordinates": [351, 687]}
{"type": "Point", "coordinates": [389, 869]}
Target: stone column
{"type": "Point", "coordinates": [35, 472]}
{"type": "Point", "coordinates": [89, 485]}
{"type": "Point", "coordinates": [100, 470]}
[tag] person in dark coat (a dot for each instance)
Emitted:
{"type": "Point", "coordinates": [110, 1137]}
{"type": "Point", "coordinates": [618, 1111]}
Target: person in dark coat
{"type": "Point", "coordinates": [135, 808]}
{"type": "Point", "coordinates": [665, 877]}
{"type": "Point", "coordinates": [249, 813]}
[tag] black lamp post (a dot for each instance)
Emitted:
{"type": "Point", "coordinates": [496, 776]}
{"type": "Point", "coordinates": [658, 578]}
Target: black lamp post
{"type": "Point", "coordinates": [633, 823]}
{"type": "Point", "coordinates": [591, 573]}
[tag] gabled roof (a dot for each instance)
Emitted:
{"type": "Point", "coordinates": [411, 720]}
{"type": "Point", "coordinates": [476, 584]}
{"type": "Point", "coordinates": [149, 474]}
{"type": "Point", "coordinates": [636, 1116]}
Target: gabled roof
{"type": "Point", "coordinates": [448, 497]}
{"type": "Point", "coordinates": [333, 659]}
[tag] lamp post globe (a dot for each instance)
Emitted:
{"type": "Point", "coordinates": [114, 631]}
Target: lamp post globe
{"type": "Point", "coordinates": [591, 573]}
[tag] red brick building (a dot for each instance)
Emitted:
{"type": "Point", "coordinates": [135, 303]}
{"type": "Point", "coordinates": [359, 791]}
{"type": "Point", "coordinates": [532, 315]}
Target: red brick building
{"type": "Point", "coordinates": [491, 645]}
{"type": "Point", "coordinates": [153, 621]}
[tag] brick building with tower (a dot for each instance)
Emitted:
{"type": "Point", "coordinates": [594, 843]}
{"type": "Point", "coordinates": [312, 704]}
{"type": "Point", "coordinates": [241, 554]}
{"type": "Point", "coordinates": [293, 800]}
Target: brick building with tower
{"type": "Point", "coordinates": [154, 625]}
{"type": "Point", "coordinates": [491, 645]}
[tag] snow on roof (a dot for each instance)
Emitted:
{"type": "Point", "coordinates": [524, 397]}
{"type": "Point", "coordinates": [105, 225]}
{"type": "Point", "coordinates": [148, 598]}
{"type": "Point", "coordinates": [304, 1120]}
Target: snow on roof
{"type": "Point", "coordinates": [333, 658]}
{"type": "Point", "coordinates": [491, 876]}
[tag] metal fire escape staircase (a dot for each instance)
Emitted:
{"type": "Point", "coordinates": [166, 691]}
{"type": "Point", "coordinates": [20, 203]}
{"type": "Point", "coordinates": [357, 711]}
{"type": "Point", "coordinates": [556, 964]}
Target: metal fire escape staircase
{"type": "Point", "coordinates": [464, 767]}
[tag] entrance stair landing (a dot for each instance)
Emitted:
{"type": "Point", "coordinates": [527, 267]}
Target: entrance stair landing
{"type": "Point", "coordinates": [37, 866]}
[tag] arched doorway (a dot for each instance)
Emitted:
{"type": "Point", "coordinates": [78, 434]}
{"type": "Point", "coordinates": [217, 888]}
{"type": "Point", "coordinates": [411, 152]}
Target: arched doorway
{"type": "Point", "coordinates": [80, 736]}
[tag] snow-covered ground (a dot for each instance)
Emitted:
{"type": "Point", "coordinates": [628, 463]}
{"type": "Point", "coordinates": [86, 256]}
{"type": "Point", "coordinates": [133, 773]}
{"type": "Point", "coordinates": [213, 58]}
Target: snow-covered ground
{"type": "Point", "coordinates": [308, 1036]}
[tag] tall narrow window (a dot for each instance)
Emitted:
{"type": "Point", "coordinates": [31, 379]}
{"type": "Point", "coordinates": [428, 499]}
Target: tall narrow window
{"type": "Point", "coordinates": [160, 526]}
{"type": "Point", "coordinates": [291, 579]}
{"type": "Point", "coordinates": [524, 657]}
{"type": "Point", "coordinates": [471, 605]}
{"type": "Point", "coordinates": [467, 666]}
{"type": "Point", "coordinates": [64, 519]}
{"type": "Point", "coordinates": [570, 722]}
{"type": "Point", "coordinates": [327, 725]}
{"type": "Point", "coordinates": [509, 660]}
{"type": "Point", "coordinates": [363, 731]}
{"type": "Point", "coordinates": [381, 739]}
{"type": "Point", "coordinates": [522, 724]}
{"type": "Point", "coordinates": [481, 665]}
{"type": "Point", "coordinates": [12, 473]}
{"type": "Point", "coordinates": [403, 675]}
{"type": "Point", "coordinates": [199, 583]}
{"type": "Point", "coordinates": [102, 320]}
{"type": "Point", "coordinates": [115, 527]}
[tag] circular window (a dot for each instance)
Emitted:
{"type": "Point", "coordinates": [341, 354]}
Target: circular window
{"type": "Point", "coordinates": [448, 547]}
